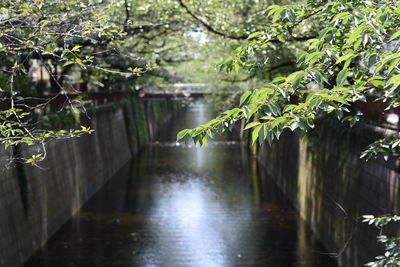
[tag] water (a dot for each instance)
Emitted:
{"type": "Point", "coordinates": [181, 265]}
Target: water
{"type": "Point", "coordinates": [186, 206]}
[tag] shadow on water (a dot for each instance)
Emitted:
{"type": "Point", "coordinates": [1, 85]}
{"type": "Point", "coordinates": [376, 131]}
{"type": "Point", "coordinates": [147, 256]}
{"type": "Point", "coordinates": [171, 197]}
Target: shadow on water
{"type": "Point", "coordinates": [186, 206]}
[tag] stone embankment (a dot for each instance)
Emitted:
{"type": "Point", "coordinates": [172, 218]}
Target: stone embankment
{"type": "Point", "coordinates": [331, 187]}
{"type": "Point", "coordinates": [36, 202]}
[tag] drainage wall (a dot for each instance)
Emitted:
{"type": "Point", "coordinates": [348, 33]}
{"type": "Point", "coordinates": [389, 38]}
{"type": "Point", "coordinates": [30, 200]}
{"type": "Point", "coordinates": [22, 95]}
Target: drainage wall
{"type": "Point", "coordinates": [331, 187]}
{"type": "Point", "coordinates": [36, 201]}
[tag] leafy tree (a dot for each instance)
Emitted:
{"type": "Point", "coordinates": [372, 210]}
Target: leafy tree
{"type": "Point", "coordinates": [91, 46]}
{"type": "Point", "coordinates": [55, 33]}
{"type": "Point", "coordinates": [83, 46]}
{"type": "Point", "coordinates": [391, 257]}
{"type": "Point", "coordinates": [219, 27]}
{"type": "Point", "coordinates": [354, 55]}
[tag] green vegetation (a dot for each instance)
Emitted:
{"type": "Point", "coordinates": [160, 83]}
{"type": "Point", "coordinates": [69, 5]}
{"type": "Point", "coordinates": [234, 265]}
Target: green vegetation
{"type": "Point", "coordinates": [391, 257]}
{"type": "Point", "coordinates": [353, 54]}
{"type": "Point", "coordinates": [301, 60]}
{"type": "Point", "coordinates": [53, 51]}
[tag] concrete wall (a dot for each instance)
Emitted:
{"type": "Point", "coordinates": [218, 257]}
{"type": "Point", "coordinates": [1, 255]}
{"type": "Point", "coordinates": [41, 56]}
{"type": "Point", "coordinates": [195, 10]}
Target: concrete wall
{"type": "Point", "coordinates": [332, 188]}
{"type": "Point", "coordinates": [35, 202]}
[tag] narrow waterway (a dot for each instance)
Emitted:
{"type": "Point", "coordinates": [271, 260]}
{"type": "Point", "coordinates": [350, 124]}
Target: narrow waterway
{"type": "Point", "coordinates": [186, 206]}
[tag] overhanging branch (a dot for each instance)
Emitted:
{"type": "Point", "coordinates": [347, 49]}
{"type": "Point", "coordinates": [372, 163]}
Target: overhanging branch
{"type": "Point", "coordinates": [210, 28]}
{"type": "Point", "coordinates": [254, 73]}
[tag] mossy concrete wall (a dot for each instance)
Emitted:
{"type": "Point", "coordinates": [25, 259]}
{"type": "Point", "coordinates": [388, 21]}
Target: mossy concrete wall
{"type": "Point", "coordinates": [35, 202]}
{"type": "Point", "coordinates": [332, 188]}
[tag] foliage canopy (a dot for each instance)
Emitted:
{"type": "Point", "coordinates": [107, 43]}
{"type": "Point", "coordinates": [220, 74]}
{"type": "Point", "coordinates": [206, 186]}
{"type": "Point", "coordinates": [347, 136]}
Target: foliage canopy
{"type": "Point", "coordinates": [106, 46]}
{"type": "Point", "coordinates": [353, 55]}
{"type": "Point", "coordinates": [305, 60]}
{"type": "Point", "coordinates": [58, 49]}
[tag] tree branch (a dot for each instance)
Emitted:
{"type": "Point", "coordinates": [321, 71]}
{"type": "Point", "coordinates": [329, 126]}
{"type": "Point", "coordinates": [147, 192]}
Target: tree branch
{"type": "Point", "coordinates": [238, 37]}
{"type": "Point", "coordinates": [254, 74]}
{"type": "Point", "coordinates": [209, 27]}
{"type": "Point", "coordinates": [127, 15]}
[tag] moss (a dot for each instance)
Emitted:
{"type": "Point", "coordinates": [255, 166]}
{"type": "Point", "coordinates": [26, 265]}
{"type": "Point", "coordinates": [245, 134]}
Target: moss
{"type": "Point", "coordinates": [130, 125]}
{"type": "Point", "coordinates": [155, 106]}
{"type": "Point", "coordinates": [66, 119]}
{"type": "Point", "coordinates": [136, 122]}
{"type": "Point", "coordinates": [140, 120]}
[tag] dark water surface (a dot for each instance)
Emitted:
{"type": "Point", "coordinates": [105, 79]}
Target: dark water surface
{"type": "Point", "coordinates": [185, 206]}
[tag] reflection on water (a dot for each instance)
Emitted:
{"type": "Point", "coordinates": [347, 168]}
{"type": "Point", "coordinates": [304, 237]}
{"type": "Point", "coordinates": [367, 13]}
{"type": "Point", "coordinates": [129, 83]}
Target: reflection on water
{"type": "Point", "coordinates": [185, 206]}
{"type": "Point", "coordinates": [189, 223]}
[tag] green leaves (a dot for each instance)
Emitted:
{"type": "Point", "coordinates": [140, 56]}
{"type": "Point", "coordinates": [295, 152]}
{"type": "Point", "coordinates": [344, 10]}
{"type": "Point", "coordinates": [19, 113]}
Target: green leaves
{"type": "Point", "coordinates": [255, 133]}
{"type": "Point", "coordinates": [261, 133]}
{"type": "Point", "coordinates": [393, 84]}
{"type": "Point", "coordinates": [393, 65]}
{"type": "Point", "coordinates": [251, 125]}
{"type": "Point", "coordinates": [336, 68]}
{"type": "Point", "coordinates": [182, 134]}
{"type": "Point", "coordinates": [244, 97]}
{"type": "Point", "coordinates": [356, 34]}
{"type": "Point", "coordinates": [35, 159]}
{"type": "Point", "coordinates": [348, 57]}
{"type": "Point", "coordinates": [314, 57]}
{"type": "Point", "coordinates": [60, 40]}
{"type": "Point", "coordinates": [254, 35]}
{"type": "Point", "coordinates": [276, 12]}
{"type": "Point", "coordinates": [387, 58]}
{"type": "Point", "coordinates": [391, 256]}
{"type": "Point", "coordinates": [344, 16]}
{"type": "Point", "coordinates": [345, 57]}
{"type": "Point", "coordinates": [384, 147]}
{"type": "Point", "coordinates": [342, 76]}
{"type": "Point", "coordinates": [395, 36]}
{"type": "Point", "coordinates": [380, 221]}
{"type": "Point", "coordinates": [294, 79]}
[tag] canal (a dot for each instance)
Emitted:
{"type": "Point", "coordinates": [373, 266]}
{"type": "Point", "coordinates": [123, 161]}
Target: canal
{"type": "Point", "coordinates": [186, 206]}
